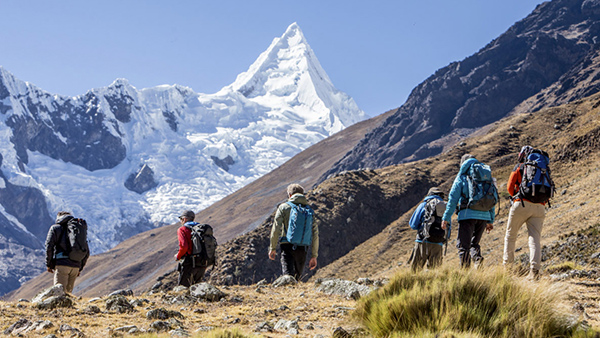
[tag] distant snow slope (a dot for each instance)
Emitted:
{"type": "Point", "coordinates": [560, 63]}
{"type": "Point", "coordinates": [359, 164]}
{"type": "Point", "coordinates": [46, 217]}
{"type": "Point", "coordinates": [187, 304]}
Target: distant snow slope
{"type": "Point", "coordinates": [195, 148]}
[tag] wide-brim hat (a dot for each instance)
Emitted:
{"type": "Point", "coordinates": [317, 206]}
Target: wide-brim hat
{"type": "Point", "coordinates": [435, 191]}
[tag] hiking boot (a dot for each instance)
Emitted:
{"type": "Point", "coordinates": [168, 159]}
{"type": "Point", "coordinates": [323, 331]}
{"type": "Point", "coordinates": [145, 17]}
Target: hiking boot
{"type": "Point", "coordinates": [533, 275]}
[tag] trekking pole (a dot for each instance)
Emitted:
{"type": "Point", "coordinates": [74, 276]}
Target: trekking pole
{"type": "Point", "coordinates": [447, 240]}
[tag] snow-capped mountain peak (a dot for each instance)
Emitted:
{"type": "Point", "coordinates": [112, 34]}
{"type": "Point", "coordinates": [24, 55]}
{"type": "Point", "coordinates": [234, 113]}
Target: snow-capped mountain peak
{"type": "Point", "coordinates": [128, 160]}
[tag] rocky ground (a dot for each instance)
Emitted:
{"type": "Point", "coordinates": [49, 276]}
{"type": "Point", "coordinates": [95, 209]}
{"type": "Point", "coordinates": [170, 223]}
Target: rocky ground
{"type": "Point", "coordinates": [275, 310]}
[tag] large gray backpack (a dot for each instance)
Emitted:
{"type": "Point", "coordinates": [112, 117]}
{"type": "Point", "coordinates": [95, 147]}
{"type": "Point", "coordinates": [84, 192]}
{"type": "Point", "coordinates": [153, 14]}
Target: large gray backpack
{"type": "Point", "coordinates": [76, 238]}
{"type": "Point", "coordinates": [204, 244]}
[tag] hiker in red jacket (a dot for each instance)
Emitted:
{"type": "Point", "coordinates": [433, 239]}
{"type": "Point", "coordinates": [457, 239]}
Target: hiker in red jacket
{"type": "Point", "coordinates": [189, 272]}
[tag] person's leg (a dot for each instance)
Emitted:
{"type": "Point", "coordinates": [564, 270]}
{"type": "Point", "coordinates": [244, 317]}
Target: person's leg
{"type": "Point", "coordinates": [434, 255]}
{"type": "Point", "coordinates": [198, 274]}
{"type": "Point", "coordinates": [72, 274]}
{"type": "Point", "coordinates": [535, 224]}
{"type": "Point", "coordinates": [61, 276]}
{"type": "Point", "coordinates": [299, 261]}
{"type": "Point", "coordinates": [287, 259]}
{"type": "Point", "coordinates": [185, 273]}
{"type": "Point", "coordinates": [516, 217]}
{"type": "Point", "coordinates": [478, 229]}
{"type": "Point", "coordinates": [463, 242]}
{"type": "Point", "coordinates": [418, 261]}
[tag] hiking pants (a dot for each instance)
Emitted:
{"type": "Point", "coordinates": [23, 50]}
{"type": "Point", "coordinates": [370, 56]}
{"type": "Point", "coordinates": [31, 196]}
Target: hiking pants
{"type": "Point", "coordinates": [533, 215]}
{"type": "Point", "coordinates": [66, 276]}
{"type": "Point", "coordinates": [430, 253]}
{"type": "Point", "coordinates": [188, 274]}
{"type": "Point", "coordinates": [469, 235]}
{"type": "Point", "coordinates": [293, 260]}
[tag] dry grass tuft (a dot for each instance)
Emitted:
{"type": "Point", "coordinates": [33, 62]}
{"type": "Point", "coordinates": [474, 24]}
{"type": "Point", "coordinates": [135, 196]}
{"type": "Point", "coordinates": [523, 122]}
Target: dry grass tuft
{"type": "Point", "coordinates": [467, 304]}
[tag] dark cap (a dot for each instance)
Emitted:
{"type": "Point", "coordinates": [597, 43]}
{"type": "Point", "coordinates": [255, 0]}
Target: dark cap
{"type": "Point", "coordinates": [188, 214]}
{"type": "Point", "coordinates": [435, 191]}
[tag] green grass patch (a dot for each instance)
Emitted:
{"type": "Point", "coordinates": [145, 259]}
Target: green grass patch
{"type": "Point", "coordinates": [466, 304]}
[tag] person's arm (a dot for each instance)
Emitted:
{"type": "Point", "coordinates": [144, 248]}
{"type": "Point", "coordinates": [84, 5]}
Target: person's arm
{"type": "Point", "coordinates": [453, 198]}
{"type": "Point", "coordinates": [417, 217]}
{"type": "Point", "coordinates": [314, 253]}
{"type": "Point", "coordinates": [276, 230]}
{"type": "Point", "coordinates": [514, 181]}
{"type": "Point", "coordinates": [183, 243]}
{"type": "Point", "coordinates": [50, 246]}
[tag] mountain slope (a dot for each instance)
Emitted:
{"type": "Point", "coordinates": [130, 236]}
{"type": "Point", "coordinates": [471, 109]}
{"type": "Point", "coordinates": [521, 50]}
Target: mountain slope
{"type": "Point", "coordinates": [554, 43]}
{"type": "Point", "coordinates": [138, 261]}
{"type": "Point", "coordinates": [129, 160]}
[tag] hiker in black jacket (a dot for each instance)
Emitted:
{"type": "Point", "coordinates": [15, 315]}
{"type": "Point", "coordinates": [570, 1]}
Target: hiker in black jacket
{"type": "Point", "coordinates": [58, 262]}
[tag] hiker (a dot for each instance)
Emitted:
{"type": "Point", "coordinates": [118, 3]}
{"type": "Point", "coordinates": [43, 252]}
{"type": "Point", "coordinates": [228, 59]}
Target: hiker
{"type": "Point", "coordinates": [474, 195]}
{"type": "Point", "coordinates": [192, 265]}
{"type": "Point", "coordinates": [294, 230]}
{"type": "Point", "coordinates": [530, 187]}
{"type": "Point", "coordinates": [67, 249]}
{"type": "Point", "coordinates": [427, 220]}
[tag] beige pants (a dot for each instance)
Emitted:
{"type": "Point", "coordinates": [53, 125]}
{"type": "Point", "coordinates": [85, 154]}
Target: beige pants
{"type": "Point", "coordinates": [66, 276]}
{"type": "Point", "coordinates": [533, 215]}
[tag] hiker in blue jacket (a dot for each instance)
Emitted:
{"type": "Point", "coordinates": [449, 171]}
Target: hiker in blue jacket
{"type": "Point", "coordinates": [471, 223]}
{"type": "Point", "coordinates": [427, 220]}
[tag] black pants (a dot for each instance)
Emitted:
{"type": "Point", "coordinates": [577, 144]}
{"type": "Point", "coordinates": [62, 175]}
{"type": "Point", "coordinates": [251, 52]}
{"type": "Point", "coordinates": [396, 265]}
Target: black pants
{"type": "Point", "coordinates": [188, 273]}
{"type": "Point", "coordinates": [469, 235]}
{"type": "Point", "coordinates": [293, 260]}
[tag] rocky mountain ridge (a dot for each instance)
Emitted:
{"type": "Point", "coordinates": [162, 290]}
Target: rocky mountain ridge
{"type": "Point", "coordinates": [546, 59]}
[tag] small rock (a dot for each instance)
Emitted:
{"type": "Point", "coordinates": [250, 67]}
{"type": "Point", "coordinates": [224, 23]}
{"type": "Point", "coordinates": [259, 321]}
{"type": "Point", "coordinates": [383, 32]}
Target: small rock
{"type": "Point", "coordinates": [286, 325]}
{"type": "Point", "coordinates": [91, 309]}
{"type": "Point", "coordinates": [23, 300]}
{"type": "Point", "coordinates": [283, 308]}
{"type": "Point", "coordinates": [179, 333]}
{"type": "Point", "coordinates": [21, 325]}
{"type": "Point", "coordinates": [125, 293]}
{"type": "Point", "coordinates": [263, 327]}
{"type": "Point", "coordinates": [163, 314]}
{"type": "Point", "coordinates": [236, 299]}
{"type": "Point", "coordinates": [341, 333]}
{"type": "Point", "coordinates": [263, 282]}
{"type": "Point", "coordinates": [125, 328]}
{"type": "Point", "coordinates": [51, 336]}
{"type": "Point", "coordinates": [200, 311]}
{"type": "Point", "coordinates": [95, 299]}
{"type": "Point", "coordinates": [160, 325]}
{"type": "Point", "coordinates": [293, 331]}
{"type": "Point", "coordinates": [284, 280]}
{"type": "Point", "coordinates": [309, 326]}
{"type": "Point", "coordinates": [181, 289]}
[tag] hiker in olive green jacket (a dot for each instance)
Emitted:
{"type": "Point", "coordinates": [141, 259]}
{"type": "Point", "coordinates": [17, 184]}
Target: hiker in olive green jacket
{"type": "Point", "coordinates": [293, 256]}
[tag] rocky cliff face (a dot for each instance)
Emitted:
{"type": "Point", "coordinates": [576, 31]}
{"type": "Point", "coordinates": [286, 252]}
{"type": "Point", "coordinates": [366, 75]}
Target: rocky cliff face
{"type": "Point", "coordinates": [556, 46]}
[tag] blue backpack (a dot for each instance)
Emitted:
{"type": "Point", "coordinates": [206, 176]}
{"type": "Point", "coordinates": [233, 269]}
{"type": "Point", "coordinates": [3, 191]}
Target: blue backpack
{"type": "Point", "coordinates": [299, 231]}
{"type": "Point", "coordinates": [483, 194]}
{"type": "Point", "coordinates": [536, 184]}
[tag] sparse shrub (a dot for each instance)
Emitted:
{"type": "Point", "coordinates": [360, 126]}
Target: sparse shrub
{"type": "Point", "coordinates": [466, 304]}
{"type": "Point", "coordinates": [233, 333]}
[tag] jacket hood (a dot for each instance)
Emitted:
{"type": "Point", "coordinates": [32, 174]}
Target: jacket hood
{"type": "Point", "coordinates": [298, 199]}
{"type": "Point", "coordinates": [465, 166]}
{"type": "Point", "coordinates": [63, 219]}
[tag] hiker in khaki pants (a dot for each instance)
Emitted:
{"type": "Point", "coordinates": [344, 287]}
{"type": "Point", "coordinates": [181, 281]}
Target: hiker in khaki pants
{"type": "Point", "coordinates": [528, 206]}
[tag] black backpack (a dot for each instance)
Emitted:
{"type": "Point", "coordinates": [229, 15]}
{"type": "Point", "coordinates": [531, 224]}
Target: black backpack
{"type": "Point", "coordinates": [76, 239]}
{"type": "Point", "coordinates": [204, 244]}
{"type": "Point", "coordinates": [432, 223]}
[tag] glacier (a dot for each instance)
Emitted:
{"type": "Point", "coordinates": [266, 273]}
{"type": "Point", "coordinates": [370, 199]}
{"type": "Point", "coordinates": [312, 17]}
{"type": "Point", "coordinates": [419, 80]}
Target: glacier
{"type": "Point", "coordinates": [199, 147]}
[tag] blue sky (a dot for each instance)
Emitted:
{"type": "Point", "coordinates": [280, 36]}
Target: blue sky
{"type": "Point", "coordinates": [376, 51]}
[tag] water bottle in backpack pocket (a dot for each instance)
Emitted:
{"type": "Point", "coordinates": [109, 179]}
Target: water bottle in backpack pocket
{"type": "Point", "coordinates": [536, 182]}
{"type": "Point", "coordinates": [299, 230]}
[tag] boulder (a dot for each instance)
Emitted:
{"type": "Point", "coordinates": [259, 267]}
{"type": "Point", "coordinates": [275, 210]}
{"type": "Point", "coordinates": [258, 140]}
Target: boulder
{"type": "Point", "coordinates": [284, 280]}
{"type": "Point", "coordinates": [56, 290]}
{"type": "Point", "coordinates": [206, 292]}
{"type": "Point", "coordinates": [54, 302]}
{"type": "Point", "coordinates": [345, 288]}
{"type": "Point", "coordinates": [118, 304]}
